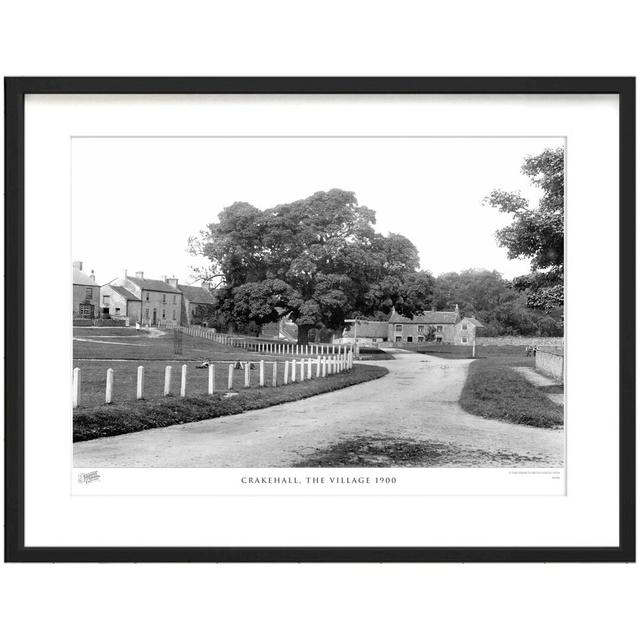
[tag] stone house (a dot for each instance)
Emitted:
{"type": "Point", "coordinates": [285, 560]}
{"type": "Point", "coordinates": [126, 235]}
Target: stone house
{"type": "Point", "coordinates": [198, 303]}
{"type": "Point", "coordinates": [86, 294]}
{"type": "Point", "coordinates": [160, 300]}
{"type": "Point", "coordinates": [119, 302]}
{"type": "Point", "coordinates": [449, 327]}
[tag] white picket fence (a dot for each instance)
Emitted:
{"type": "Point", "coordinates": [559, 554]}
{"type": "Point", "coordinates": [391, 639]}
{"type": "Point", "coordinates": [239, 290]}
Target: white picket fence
{"type": "Point", "coordinates": [294, 371]}
{"type": "Point", "coordinates": [265, 346]}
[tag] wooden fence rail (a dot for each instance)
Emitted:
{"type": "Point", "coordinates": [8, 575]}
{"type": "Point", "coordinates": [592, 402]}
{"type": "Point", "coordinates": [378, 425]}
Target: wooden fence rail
{"type": "Point", "coordinates": [293, 371]}
{"type": "Point", "coordinates": [266, 346]}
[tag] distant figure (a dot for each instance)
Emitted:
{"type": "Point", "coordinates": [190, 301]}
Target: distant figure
{"type": "Point", "coordinates": [203, 365]}
{"type": "Point", "coordinates": [535, 350]}
{"type": "Point", "coordinates": [528, 350]}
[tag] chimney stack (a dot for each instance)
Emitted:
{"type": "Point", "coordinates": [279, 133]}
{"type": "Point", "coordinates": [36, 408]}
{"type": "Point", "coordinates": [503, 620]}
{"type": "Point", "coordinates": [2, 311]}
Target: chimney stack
{"type": "Point", "coordinates": [172, 282]}
{"type": "Point", "coordinates": [93, 275]}
{"type": "Point", "coordinates": [140, 274]}
{"type": "Point", "coordinates": [78, 265]}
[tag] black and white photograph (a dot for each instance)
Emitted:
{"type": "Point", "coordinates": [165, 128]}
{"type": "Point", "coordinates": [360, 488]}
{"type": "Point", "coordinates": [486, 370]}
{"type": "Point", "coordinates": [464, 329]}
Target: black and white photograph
{"type": "Point", "coordinates": [317, 302]}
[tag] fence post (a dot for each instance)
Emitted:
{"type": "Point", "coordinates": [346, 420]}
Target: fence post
{"type": "Point", "coordinates": [183, 381]}
{"type": "Point", "coordinates": [318, 367]}
{"type": "Point", "coordinates": [108, 395]}
{"type": "Point", "coordinates": [76, 388]}
{"type": "Point", "coordinates": [301, 369]}
{"type": "Point", "coordinates": [212, 378]}
{"type": "Point", "coordinates": [230, 378]}
{"type": "Point", "coordinates": [262, 373]}
{"type": "Point", "coordinates": [140, 385]}
{"type": "Point", "coordinates": [309, 372]}
{"type": "Point", "coordinates": [274, 378]}
{"type": "Point", "coordinates": [247, 373]}
{"type": "Point", "coordinates": [286, 372]}
{"type": "Point", "coordinates": [167, 380]}
{"type": "Point", "coordinates": [293, 370]}
{"type": "Point", "coordinates": [324, 366]}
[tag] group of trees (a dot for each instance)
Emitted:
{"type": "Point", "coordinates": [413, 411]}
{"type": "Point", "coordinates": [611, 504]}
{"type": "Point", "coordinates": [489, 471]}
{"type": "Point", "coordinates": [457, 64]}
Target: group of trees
{"type": "Point", "coordinates": [497, 302]}
{"type": "Point", "coordinates": [320, 261]}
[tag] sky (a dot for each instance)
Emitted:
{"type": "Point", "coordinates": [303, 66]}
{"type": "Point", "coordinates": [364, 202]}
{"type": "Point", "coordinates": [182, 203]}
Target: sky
{"type": "Point", "coordinates": [136, 201]}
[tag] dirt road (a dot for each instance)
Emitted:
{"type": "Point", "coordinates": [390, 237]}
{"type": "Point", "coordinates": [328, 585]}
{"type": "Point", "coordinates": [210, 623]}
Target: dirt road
{"type": "Point", "coordinates": [418, 400]}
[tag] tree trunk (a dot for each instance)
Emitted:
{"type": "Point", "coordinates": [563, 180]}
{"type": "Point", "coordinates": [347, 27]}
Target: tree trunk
{"type": "Point", "coordinates": [303, 333]}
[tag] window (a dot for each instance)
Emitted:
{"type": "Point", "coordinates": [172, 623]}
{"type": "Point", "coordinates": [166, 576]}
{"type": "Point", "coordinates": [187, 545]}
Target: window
{"type": "Point", "coordinates": [164, 299]}
{"type": "Point", "coordinates": [464, 326]}
{"type": "Point", "coordinates": [420, 338]}
{"type": "Point", "coordinates": [420, 328]}
{"type": "Point", "coordinates": [439, 327]}
{"type": "Point", "coordinates": [117, 309]}
{"type": "Point", "coordinates": [465, 340]}
{"type": "Point", "coordinates": [174, 314]}
{"type": "Point", "coordinates": [86, 310]}
{"type": "Point", "coordinates": [398, 338]}
{"type": "Point", "coordinates": [409, 338]}
{"type": "Point", "coordinates": [164, 314]}
{"type": "Point", "coordinates": [146, 296]}
{"type": "Point", "coordinates": [89, 295]}
{"type": "Point", "coordinates": [146, 313]}
{"type": "Point", "coordinates": [174, 301]}
{"type": "Point", "coordinates": [398, 327]}
{"type": "Point", "coordinates": [106, 300]}
{"type": "Point", "coordinates": [439, 339]}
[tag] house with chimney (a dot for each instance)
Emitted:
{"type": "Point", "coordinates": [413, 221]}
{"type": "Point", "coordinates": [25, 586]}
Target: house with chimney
{"type": "Point", "coordinates": [446, 327]}
{"type": "Point", "coordinates": [151, 302]}
{"type": "Point", "coordinates": [86, 294]}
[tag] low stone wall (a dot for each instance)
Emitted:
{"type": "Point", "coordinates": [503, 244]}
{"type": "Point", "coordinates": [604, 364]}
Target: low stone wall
{"type": "Point", "coordinates": [520, 340]}
{"type": "Point", "coordinates": [550, 362]}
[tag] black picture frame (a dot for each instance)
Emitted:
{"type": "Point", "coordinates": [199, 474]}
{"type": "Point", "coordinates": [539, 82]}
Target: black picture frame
{"type": "Point", "coordinates": [15, 91]}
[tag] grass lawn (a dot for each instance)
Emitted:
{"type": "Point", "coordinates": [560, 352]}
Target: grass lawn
{"type": "Point", "coordinates": [124, 349]}
{"type": "Point", "coordinates": [372, 353]}
{"type": "Point", "coordinates": [120, 343]}
{"type": "Point", "coordinates": [129, 416]}
{"type": "Point", "coordinates": [494, 390]}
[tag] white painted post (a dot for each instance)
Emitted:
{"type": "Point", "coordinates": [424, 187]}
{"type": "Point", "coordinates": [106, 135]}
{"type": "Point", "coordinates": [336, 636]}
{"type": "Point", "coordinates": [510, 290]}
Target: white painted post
{"type": "Point", "coordinates": [140, 385]}
{"type": "Point", "coordinates": [274, 376]}
{"type": "Point", "coordinates": [293, 370]}
{"type": "Point", "coordinates": [167, 380]}
{"type": "Point", "coordinates": [309, 372]}
{"type": "Point", "coordinates": [302, 370]}
{"type": "Point", "coordinates": [318, 367]}
{"type": "Point", "coordinates": [108, 395]}
{"type": "Point", "coordinates": [76, 388]}
{"type": "Point", "coordinates": [212, 378]}
{"type": "Point", "coordinates": [247, 374]}
{"type": "Point", "coordinates": [262, 373]}
{"type": "Point", "coordinates": [324, 367]}
{"type": "Point", "coordinates": [230, 377]}
{"type": "Point", "coordinates": [286, 372]}
{"type": "Point", "coordinates": [183, 382]}
{"type": "Point", "coordinates": [473, 351]}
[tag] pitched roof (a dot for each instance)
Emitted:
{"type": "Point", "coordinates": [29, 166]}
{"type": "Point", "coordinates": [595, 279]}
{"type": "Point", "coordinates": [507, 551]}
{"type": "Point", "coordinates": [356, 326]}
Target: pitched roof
{"type": "Point", "coordinates": [125, 293]}
{"type": "Point", "coordinates": [473, 321]}
{"type": "Point", "coordinates": [80, 277]}
{"type": "Point", "coordinates": [368, 329]}
{"type": "Point", "coordinates": [197, 295]}
{"type": "Point", "coordinates": [153, 285]}
{"type": "Point", "coordinates": [428, 317]}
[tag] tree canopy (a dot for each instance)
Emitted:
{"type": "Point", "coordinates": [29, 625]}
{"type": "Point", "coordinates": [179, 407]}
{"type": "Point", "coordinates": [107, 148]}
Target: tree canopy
{"type": "Point", "coordinates": [318, 260]}
{"type": "Point", "coordinates": [537, 232]}
{"type": "Point", "coordinates": [496, 302]}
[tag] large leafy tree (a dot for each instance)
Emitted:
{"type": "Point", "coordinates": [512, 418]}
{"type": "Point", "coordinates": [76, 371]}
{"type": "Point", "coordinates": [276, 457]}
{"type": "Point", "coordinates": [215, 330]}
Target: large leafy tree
{"type": "Point", "coordinates": [537, 232]}
{"type": "Point", "coordinates": [318, 260]}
